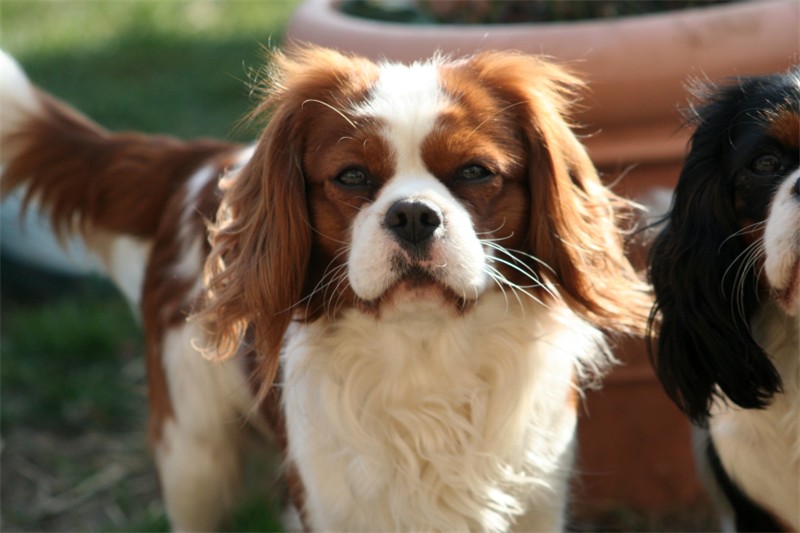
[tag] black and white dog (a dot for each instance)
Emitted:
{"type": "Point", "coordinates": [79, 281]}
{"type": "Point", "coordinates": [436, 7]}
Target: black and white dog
{"type": "Point", "coordinates": [726, 273]}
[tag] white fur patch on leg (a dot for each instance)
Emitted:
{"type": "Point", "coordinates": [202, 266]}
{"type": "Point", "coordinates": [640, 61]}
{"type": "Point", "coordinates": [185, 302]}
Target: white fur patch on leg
{"type": "Point", "coordinates": [200, 453]}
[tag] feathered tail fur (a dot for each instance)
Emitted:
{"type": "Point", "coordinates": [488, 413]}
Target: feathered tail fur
{"type": "Point", "coordinates": [107, 186]}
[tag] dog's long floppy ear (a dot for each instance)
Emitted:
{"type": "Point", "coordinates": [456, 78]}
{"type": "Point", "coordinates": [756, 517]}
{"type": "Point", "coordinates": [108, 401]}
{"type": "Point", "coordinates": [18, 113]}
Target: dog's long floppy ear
{"type": "Point", "coordinates": [261, 240]}
{"type": "Point", "coordinates": [575, 219]}
{"type": "Point", "coordinates": [704, 300]}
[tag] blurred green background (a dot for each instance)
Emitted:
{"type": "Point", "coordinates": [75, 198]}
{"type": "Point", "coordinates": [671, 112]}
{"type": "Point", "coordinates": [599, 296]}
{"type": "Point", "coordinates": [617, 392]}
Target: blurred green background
{"type": "Point", "coordinates": [72, 380]}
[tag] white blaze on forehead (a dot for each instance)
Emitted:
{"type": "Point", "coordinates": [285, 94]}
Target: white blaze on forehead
{"type": "Point", "coordinates": [408, 99]}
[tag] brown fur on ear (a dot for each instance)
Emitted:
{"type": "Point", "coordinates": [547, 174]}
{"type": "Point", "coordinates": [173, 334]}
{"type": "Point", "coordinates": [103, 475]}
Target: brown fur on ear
{"type": "Point", "coordinates": [575, 219]}
{"type": "Point", "coordinates": [262, 238]}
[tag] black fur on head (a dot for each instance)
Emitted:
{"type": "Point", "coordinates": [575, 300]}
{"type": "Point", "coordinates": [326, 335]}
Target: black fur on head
{"type": "Point", "coordinates": [705, 282]}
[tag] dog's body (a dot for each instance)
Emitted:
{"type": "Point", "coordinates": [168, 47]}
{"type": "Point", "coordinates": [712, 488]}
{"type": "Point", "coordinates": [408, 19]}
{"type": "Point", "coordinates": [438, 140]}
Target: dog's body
{"type": "Point", "coordinates": [726, 273]}
{"type": "Point", "coordinates": [423, 255]}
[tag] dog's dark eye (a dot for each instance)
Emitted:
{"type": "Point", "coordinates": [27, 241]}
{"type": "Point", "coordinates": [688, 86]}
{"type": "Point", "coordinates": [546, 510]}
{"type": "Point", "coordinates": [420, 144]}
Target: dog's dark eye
{"type": "Point", "coordinates": [474, 173]}
{"type": "Point", "coordinates": [766, 165]}
{"type": "Point", "coordinates": [352, 177]}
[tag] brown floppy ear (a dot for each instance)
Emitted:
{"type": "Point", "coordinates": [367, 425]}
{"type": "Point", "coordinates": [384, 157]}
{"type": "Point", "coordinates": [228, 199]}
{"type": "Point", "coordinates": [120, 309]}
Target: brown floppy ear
{"type": "Point", "coordinates": [575, 219]}
{"type": "Point", "coordinates": [581, 235]}
{"type": "Point", "coordinates": [261, 240]}
{"type": "Point", "coordinates": [260, 245]}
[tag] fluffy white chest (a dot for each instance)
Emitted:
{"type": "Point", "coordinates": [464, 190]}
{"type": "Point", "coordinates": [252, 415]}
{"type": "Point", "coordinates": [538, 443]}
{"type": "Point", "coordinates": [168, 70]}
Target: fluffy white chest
{"type": "Point", "coordinates": [420, 421]}
{"type": "Point", "coordinates": [761, 448]}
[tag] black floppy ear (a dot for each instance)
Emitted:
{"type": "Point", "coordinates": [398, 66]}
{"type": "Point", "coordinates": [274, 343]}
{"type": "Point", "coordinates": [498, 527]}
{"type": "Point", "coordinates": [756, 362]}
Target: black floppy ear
{"type": "Point", "coordinates": [704, 299]}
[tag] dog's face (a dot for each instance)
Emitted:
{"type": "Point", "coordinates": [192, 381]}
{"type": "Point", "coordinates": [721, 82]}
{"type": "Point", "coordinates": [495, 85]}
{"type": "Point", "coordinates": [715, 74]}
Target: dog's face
{"type": "Point", "coordinates": [764, 163]}
{"type": "Point", "coordinates": [425, 188]}
{"type": "Point", "coordinates": [380, 186]}
{"type": "Point", "coordinates": [732, 242]}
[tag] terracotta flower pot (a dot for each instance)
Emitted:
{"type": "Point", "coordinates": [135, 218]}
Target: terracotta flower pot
{"type": "Point", "coordinates": [635, 445]}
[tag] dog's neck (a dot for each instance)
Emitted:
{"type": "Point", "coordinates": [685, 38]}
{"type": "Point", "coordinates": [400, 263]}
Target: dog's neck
{"type": "Point", "coordinates": [760, 448]}
{"type": "Point", "coordinates": [459, 425]}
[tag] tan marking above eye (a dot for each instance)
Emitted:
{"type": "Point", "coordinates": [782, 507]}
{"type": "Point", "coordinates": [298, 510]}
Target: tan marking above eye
{"type": "Point", "coordinates": [784, 127]}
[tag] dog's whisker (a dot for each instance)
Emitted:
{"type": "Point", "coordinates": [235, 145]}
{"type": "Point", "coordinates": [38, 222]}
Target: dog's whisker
{"type": "Point", "coordinates": [750, 228]}
{"type": "Point", "coordinates": [498, 280]}
{"type": "Point", "coordinates": [334, 305]}
{"type": "Point", "coordinates": [744, 263]}
{"type": "Point", "coordinates": [517, 288]}
{"type": "Point", "coordinates": [332, 288]}
{"type": "Point", "coordinates": [329, 276]}
{"type": "Point", "coordinates": [530, 274]}
{"type": "Point", "coordinates": [333, 280]}
{"type": "Point", "coordinates": [503, 280]}
{"type": "Point", "coordinates": [494, 231]}
{"type": "Point", "coordinates": [736, 260]}
{"type": "Point", "coordinates": [748, 264]}
{"type": "Point", "coordinates": [513, 253]}
{"type": "Point", "coordinates": [513, 257]}
{"type": "Point", "coordinates": [525, 270]}
{"type": "Point", "coordinates": [329, 237]}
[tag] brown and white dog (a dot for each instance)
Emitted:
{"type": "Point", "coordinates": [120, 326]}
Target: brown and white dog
{"type": "Point", "coordinates": [726, 274]}
{"type": "Point", "coordinates": [413, 271]}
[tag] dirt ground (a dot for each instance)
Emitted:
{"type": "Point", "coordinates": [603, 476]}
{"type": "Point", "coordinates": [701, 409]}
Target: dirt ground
{"type": "Point", "coordinates": [102, 482]}
{"type": "Point", "coordinates": [47, 486]}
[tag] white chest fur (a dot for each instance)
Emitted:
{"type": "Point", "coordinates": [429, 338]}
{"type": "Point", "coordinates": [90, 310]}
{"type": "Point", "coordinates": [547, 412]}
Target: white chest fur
{"type": "Point", "coordinates": [422, 421]}
{"type": "Point", "coordinates": [760, 448]}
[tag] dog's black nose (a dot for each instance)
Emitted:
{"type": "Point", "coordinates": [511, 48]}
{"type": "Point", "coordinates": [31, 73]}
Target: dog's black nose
{"type": "Point", "coordinates": [413, 222]}
{"type": "Point", "coordinates": [796, 188]}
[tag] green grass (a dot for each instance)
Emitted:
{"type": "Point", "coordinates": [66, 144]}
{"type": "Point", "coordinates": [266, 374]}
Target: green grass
{"type": "Point", "coordinates": [72, 379]}
{"type": "Point", "coordinates": [80, 344]}
{"type": "Point", "coordinates": [169, 66]}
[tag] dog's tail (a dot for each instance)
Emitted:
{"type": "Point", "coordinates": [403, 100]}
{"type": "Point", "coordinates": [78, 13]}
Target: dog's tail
{"type": "Point", "coordinates": [108, 187]}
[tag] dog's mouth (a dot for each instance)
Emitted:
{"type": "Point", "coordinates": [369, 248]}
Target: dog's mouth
{"type": "Point", "coordinates": [417, 286]}
{"type": "Point", "coordinates": [415, 277]}
{"type": "Point", "coordinates": [419, 281]}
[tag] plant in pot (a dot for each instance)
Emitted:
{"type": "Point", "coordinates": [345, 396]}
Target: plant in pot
{"type": "Point", "coordinates": [637, 58]}
{"type": "Point", "coordinates": [508, 12]}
